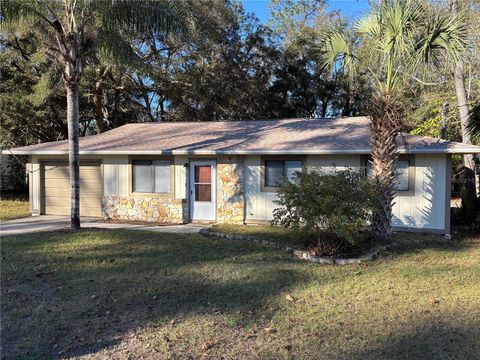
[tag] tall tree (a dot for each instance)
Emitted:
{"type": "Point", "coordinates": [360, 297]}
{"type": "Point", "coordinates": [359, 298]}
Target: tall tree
{"type": "Point", "coordinates": [401, 36]}
{"type": "Point", "coordinates": [73, 30]}
{"type": "Point", "coordinates": [463, 110]}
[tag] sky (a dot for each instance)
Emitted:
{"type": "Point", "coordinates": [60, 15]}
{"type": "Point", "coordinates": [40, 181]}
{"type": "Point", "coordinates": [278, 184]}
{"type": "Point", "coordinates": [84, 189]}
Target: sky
{"type": "Point", "coordinates": [350, 8]}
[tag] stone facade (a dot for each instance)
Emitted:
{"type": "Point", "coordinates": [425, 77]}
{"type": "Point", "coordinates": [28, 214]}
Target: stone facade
{"type": "Point", "coordinates": [230, 189]}
{"type": "Point", "coordinates": [150, 209]}
{"type": "Point", "coordinates": [229, 196]}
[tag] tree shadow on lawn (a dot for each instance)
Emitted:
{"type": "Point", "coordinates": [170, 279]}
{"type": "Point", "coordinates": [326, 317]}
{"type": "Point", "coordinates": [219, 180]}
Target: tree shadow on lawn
{"type": "Point", "coordinates": [407, 243]}
{"type": "Point", "coordinates": [70, 296]}
{"type": "Point", "coordinates": [435, 340]}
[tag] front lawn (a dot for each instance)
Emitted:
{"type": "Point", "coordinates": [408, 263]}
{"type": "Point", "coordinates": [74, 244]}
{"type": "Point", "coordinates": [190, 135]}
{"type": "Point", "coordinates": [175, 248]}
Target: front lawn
{"type": "Point", "coordinates": [268, 232]}
{"type": "Point", "coordinates": [13, 209]}
{"type": "Point", "coordinates": [132, 294]}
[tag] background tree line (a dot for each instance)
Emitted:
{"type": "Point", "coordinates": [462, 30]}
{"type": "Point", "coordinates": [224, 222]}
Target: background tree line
{"type": "Point", "coordinates": [231, 67]}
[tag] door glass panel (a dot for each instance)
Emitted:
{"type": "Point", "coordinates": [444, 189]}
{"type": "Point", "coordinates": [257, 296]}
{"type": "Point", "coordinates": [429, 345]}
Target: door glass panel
{"type": "Point", "coordinates": [203, 185]}
{"type": "Point", "coordinates": [203, 192]}
{"type": "Point", "coordinates": [203, 174]}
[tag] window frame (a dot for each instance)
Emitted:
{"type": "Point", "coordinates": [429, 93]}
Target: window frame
{"type": "Point", "coordinates": [168, 159]}
{"type": "Point", "coordinates": [264, 159]}
{"type": "Point", "coordinates": [411, 173]}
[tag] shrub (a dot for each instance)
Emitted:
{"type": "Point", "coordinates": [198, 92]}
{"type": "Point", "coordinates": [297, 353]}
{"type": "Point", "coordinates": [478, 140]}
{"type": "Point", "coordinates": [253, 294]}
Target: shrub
{"type": "Point", "coordinates": [336, 207]}
{"type": "Point", "coordinates": [468, 214]}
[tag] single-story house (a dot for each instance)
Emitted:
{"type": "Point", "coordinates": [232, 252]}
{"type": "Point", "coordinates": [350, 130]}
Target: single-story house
{"type": "Point", "coordinates": [229, 171]}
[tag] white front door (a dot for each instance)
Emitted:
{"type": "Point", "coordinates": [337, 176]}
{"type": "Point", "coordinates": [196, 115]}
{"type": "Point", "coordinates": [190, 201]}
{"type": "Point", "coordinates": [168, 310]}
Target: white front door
{"type": "Point", "coordinates": [202, 190]}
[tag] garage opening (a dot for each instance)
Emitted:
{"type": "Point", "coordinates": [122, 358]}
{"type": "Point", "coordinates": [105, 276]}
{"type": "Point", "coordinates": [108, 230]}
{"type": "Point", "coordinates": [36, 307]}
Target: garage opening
{"type": "Point", "coordinates": [56, 188]}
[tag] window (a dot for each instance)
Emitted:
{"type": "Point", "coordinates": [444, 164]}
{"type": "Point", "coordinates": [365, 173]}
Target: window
{"type": "Point", "coordinates": [404, 180]}
{"type": "Point", "coordinates": [151, 176]}
{"type": "Point", "coordinates": [401, 181]}
{"type": "Point", "coordinates": [278, 170]}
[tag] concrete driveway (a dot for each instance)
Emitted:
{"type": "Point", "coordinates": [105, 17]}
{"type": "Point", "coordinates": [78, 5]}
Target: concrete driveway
{"type": "Point", "coordinates": [34, 224]}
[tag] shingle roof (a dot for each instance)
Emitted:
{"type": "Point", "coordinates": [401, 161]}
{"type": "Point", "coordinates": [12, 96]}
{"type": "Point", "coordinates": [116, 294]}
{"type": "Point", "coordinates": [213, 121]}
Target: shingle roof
{"type": "Point", "coordinates": [299, 136]}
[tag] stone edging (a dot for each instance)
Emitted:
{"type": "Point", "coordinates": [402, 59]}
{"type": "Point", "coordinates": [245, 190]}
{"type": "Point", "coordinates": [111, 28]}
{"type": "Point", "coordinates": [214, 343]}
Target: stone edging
{"type": "Point", "coordinates": [304, 255]}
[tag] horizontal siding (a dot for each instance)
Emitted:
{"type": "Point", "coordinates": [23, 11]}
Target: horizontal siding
{"type": "Point", "coordinates": [65, 210]}
{"type": "Point", "coordinates": [56, 189]}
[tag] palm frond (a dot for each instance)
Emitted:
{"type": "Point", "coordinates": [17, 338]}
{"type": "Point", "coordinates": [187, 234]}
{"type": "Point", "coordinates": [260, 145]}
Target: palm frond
{"type": "Point", "coordinates": [47, 85]}
{"type": "Point", "coordinates": [369, 25]}
{"type": "Point", "coordinates": [113, 48]}
{"type": "Point", "coordinates": [14, 11]}
{"type": "Point", "coordinates": [336, 50]}
{"type": "Point", "coordinates": [162, 16]}
{"type": "Point", "coordinates": [401, 21]}
{"type": "Point", "coordinates": [443, 36]}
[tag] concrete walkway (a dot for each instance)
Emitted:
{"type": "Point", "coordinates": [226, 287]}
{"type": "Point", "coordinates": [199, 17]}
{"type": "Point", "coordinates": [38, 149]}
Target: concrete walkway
{"type": "Point", "coordinates": [34, 224]}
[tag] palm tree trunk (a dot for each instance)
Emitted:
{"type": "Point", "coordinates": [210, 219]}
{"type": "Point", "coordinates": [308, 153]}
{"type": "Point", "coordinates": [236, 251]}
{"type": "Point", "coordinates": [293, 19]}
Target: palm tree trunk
{"type": "Point", "coordinates": [73, 153]}
{"type": "Point", "coordinates": [386, 114]}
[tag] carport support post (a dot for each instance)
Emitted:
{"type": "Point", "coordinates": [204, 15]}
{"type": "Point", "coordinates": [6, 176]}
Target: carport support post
{"type": "Point", "coordinates": [73, 153]}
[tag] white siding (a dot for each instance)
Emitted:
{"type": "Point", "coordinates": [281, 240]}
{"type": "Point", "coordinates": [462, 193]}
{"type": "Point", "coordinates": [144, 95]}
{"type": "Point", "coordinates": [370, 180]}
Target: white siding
{"type": "Point", "coordinates": [259, 204]}
{"type": "Point", "coordinates": [426, 208]}
{"type": "Point", "coordinates": [116, 172]}
{"type": "Point", "coordinates": [180, 177]}
{"type": "Point", "coordinates": [115, 176]}
{"type": "Point", "coordinates": [34, 177]}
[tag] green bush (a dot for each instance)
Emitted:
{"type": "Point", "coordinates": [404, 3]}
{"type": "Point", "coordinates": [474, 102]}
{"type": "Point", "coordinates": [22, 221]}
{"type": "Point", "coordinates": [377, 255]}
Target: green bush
{"type": "Point", "coordinates": [336, 207]}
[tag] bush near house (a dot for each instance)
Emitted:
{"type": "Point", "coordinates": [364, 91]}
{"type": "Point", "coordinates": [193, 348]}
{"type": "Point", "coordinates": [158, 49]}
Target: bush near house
{"type": "Point", "coordinates": [335, 207]}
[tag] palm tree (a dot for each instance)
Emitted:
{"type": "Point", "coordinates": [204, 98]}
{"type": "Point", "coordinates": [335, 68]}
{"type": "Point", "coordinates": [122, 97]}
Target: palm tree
{"type": "Point", "coordinates": [398, 38]}
{"type": "Point", "coordinates": [73, 30]}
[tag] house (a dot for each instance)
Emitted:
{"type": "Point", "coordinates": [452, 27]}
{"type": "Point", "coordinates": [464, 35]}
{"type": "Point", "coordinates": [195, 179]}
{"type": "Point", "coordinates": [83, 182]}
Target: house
{"type": "Point", "coordinates": [229, 171]}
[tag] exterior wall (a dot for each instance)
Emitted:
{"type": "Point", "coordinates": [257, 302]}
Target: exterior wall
{"type": "Point", "coordinates": [239, 195]}
{"type": "Point", "coordinates": [429, 207]}
{"type": "Point", "coordinates": [119, 203]}
{"type": "Point", "coordinates": [34, 186]}
{"type": "Point", "coordinates": [151, 209]}
{"type": "Point", "coordinates": [115, 176]}
{"type": "Point", "coordinates": [259, 204]}
{"type": "Point", "coordinates": [230, 185]}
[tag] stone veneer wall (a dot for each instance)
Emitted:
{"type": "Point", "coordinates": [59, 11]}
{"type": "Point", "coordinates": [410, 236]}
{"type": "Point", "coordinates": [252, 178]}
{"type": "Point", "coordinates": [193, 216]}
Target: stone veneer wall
{"type": "Point", "coordinates": [230, 189]}
{"type": "Point", "coordinates": [151, 209]}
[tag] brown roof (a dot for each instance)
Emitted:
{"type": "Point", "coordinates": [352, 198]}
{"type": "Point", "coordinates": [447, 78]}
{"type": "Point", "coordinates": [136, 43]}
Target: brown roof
{"type": "Point", "coordinates": [299, 136]}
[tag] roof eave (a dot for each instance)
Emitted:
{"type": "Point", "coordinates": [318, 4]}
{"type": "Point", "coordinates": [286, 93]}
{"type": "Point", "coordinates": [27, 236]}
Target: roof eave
{"type": "Point", "coordinates": [473, 150]}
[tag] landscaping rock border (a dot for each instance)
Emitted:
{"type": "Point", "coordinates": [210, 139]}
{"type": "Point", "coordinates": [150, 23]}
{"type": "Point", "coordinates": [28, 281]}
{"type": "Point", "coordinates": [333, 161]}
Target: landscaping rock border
{"type": "Point", "coordinates": [301, 254]}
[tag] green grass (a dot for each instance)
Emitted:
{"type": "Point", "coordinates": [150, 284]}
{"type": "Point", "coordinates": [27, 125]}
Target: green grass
{"type": "Point", "coordinates": [13, 209]}
{"type": "Point", "coordinates": [132, 294]}
{"type": "Point", "coordinates": [265, 232]}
